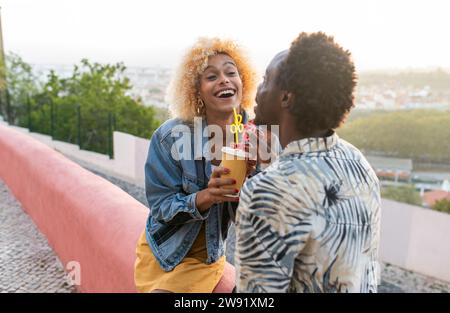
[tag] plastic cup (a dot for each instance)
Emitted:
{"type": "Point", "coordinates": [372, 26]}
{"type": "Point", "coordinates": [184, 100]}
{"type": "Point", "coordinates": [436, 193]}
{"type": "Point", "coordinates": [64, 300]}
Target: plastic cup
{"type": "Point", "coordinates": [234, 160]}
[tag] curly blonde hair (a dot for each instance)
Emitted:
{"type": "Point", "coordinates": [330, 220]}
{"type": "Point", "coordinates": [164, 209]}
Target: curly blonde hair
{"type": "Point", "coordinates": [183, 90]}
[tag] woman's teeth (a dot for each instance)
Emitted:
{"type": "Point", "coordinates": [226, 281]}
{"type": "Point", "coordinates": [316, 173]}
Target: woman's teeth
{"type": "Point", "coordinates": [225, 93]}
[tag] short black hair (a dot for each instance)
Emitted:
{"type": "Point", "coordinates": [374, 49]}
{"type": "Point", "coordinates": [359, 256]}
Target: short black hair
{"type": "Point", "coordinates": [321, 75]}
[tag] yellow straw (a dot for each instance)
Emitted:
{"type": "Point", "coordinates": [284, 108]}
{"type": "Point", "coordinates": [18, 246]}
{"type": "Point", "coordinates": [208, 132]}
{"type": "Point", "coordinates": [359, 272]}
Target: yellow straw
{"type": "Point", "coordinates": [236, 133]}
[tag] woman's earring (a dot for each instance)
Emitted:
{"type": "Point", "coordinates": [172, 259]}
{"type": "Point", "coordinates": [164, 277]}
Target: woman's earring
{"type": "Point", "coordinates": [200, 106]}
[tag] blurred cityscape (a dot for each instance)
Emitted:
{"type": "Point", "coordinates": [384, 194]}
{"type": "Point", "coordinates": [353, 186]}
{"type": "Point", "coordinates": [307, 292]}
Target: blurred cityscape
{"type": "Point", "coordinates": [375, 90]}
{"type": "Point", "coordinates": [388, 98]}
{"type": "Point", "coordinates": [390, 90]}
{"type": "Point", "coordinates": [149, 84]}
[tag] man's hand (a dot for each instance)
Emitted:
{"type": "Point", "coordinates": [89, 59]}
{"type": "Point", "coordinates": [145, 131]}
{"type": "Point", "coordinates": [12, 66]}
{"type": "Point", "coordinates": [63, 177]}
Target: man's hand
{"type": "Point", "coordinates": [251, 158]}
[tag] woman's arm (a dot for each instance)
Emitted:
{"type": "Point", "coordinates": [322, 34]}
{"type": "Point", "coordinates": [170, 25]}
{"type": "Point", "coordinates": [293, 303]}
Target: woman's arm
{"type": "Point", "coordinates": [163, 186]}
{"type": "Point", "coordinates": [167, 200]}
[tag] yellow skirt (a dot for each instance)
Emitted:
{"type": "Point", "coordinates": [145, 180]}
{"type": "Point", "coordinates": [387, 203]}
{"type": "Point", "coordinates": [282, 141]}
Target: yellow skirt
{"type": "Point", "coordinates": [191, 275]}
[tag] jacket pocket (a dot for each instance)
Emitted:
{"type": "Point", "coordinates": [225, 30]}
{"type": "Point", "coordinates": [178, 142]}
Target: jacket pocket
{"type": "Point", "coordinates": [164, 232]}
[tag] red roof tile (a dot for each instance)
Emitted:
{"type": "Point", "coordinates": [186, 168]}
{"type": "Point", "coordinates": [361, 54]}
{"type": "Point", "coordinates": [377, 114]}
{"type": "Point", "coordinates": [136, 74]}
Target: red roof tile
{"type": "Point", "coordinates": [431, 197]}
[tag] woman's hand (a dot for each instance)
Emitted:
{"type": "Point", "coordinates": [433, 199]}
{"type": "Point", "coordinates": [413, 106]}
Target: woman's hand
{"type": "Point", "coordinates": [214, 193]}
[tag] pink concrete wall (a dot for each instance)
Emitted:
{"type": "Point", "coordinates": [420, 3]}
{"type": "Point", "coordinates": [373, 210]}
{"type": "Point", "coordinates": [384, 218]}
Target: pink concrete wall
{"type": "Point", "coordinates": [84, 217]}
{"type": "Point", "coordinates": [415, 238]}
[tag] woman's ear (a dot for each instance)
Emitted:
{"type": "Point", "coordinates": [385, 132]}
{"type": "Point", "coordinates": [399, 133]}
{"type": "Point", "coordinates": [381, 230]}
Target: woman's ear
{"type": "Point", "coordinates": [286, 99]}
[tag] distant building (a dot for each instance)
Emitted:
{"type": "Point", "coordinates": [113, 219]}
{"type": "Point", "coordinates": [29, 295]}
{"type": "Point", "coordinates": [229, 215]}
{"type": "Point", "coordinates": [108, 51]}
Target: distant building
{"type": "Point", "coordinates": [431, 197]}
{"type": "Point", "coordinates": [391, 168]}
{"type": "Point", "coordinates": [446, 185]}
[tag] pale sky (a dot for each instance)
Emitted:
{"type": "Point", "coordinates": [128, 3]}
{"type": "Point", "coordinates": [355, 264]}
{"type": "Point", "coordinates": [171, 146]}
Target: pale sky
{"type": "Point", "coordinates": [380, 34]}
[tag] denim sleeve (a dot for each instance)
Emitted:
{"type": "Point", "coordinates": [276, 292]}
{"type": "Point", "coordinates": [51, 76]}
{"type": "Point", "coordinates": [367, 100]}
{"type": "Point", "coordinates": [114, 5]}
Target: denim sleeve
{"type": "Point", "coordinates": [167, 200]}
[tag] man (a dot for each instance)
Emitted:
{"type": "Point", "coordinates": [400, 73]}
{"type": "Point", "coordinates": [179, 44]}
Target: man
{"type": "Point", "coordinates": [310, 221]}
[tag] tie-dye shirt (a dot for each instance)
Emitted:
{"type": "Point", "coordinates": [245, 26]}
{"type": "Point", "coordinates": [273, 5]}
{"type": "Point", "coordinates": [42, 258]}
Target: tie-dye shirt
{"type": "Point", "coordinates": [310, 222]}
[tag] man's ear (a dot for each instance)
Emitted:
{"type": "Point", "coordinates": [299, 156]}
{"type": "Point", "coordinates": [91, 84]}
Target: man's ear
{"type": "Point", "coordinates": [287, 99]}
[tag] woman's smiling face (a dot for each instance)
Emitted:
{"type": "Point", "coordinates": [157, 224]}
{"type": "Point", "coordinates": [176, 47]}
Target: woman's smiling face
{"type": "Point", "coordinates": [220, 85]}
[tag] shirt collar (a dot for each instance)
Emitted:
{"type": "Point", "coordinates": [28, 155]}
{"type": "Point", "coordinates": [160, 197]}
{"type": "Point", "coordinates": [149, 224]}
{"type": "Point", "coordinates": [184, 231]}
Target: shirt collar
{"type": "Point", "coordinates": [313, 144]}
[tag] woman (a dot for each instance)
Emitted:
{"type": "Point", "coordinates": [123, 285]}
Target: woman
{"type": "Point", "coordinates": [182, 247]}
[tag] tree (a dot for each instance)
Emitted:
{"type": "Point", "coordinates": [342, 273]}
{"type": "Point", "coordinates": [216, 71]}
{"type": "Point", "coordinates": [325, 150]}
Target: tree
{"type": "Point", "coordinates": [418, 134]}
{"type": "Point", "coordinates": [100, 92]}
{"type": "Point", "coordinates": [21, 84]}
{"type": "Point", "coordinates": [405, 194]}
{"type": "Point", "coordinates": [442, 206]}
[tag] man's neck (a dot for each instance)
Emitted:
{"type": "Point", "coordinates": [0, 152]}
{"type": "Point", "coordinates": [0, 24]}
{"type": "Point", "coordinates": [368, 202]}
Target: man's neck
{"type": "Point", "coordinates": [289, 133]}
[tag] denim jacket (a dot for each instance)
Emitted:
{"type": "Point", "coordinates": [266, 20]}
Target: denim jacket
{"type": "Point", "coordinates": [173, 176]}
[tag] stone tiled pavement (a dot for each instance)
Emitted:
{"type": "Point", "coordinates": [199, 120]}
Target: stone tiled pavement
{"type": "Point", "coordinates": [28, 264]}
